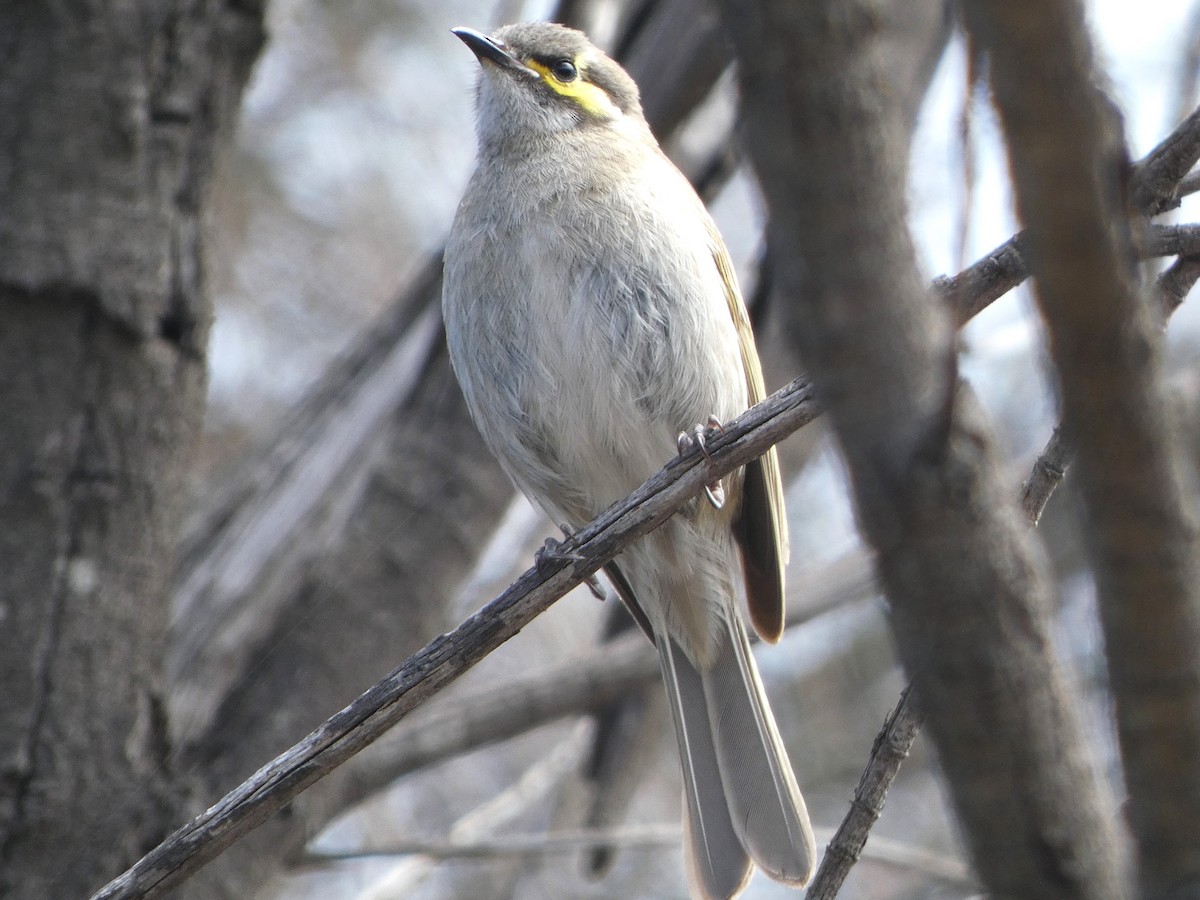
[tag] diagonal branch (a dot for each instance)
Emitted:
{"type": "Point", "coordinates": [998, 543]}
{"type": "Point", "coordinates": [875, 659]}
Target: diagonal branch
{"type": "Point", "coordinates": [1052, 463]}
{"type": "Point", "coordinates": [1175, 283]}
{"type": "Point", "coordinates": [590, 682]}
{"type": "Point", "coordinates": [1156, 178]}
{"type": "Point", "coordinates": [849, 841]}
{"type": "Point", "coordinates": [449, 656]}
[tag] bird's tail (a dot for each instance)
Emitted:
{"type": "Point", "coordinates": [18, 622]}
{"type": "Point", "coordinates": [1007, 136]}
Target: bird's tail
{"type": "Point", "coordinates": [741, 800]}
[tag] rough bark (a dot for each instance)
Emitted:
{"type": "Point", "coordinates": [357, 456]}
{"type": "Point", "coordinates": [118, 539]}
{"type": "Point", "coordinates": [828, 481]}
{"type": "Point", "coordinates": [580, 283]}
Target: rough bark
{"type": "Point", "coordinates": [109, 118]}
{"type": "Point", "coordinates": [1071, 172]}
{"type": "Point", "coordinates": [964, 576]}
{"type": "Point", "coordinates": [912, 36]}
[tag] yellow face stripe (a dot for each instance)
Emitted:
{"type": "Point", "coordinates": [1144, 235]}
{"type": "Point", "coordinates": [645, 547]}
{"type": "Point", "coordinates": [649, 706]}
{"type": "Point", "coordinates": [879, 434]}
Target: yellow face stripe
{"type": "Point", "coordinates": [591, 99]}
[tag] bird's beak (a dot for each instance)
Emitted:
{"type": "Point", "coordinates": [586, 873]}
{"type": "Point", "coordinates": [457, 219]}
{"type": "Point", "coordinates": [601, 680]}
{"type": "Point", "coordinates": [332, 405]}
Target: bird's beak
{"type": "Point", "coordinates": [490, 51]}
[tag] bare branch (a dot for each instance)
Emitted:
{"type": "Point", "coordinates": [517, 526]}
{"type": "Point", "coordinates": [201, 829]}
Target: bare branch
{"type": "Point", "coordinates": [1156, 178]}
{"type": "Point", "coordinates": [448, 656]}
{"type": "Point", "coordinates": [986, 280]}
{"type": "Point", "coordinates": [1170, 240]}
{"type": "Point", "coordinates": [537, 844]}
{"type": "Point", "coordinates": [846, 846]}
{"type": "Point", "coordinates": [632, 837]}
{"type": "Point", "coordinates": [1054, 460]}
{"type": "Point", "coordinates": [995, 274]}
{"type": "Point", "coordinates": [1175, 283]}
{"type": "Point", "coordinates": [587, 683]}
{"type": "Point", "coordinates": [1048, 471]}
{"type": "Point", "coordinates": [1189, 185]}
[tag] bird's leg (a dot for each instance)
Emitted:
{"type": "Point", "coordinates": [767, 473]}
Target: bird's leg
{"type": "Point", "coordinates": [715, 491]}
{"type": "Point", "coordinates": [552, 550]}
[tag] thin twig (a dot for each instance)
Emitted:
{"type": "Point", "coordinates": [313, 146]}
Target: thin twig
{"type": "Point", "coordinates": [534, 844]}
{"type": "Point", "coordinates": [996, 273]}
{"type": "Point", "coordinates": [1048, 471]}
{"type": "Point", "coordinates": [889, 751]}
{"type": "Point", "coordinates": [1189, 185]}
{"type": "Point", "coordinates": [1052, 463]}
{"type": "Point", "coordinates": [984, 281]}
{"type": "Point", "coordinates": [1175, 283]}
{"type": "Point", "coordinates": [1157, 176]}
{"type": "Point", "coordinates": [631, 837]}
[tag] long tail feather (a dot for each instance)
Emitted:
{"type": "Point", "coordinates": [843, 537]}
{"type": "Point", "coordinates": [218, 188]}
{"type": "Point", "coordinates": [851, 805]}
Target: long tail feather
{"type": "Point", "coordinates": [767, 811]}
{"type": "Point", "coordinates": [717, 864]}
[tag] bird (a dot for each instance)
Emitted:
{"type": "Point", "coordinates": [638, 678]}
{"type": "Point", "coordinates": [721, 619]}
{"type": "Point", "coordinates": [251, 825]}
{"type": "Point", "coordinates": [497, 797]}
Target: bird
{"type": "Point", "coordinates": [593, 319]}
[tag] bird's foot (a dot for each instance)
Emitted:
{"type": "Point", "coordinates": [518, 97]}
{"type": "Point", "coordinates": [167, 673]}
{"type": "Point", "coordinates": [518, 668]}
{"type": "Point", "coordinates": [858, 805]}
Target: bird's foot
{"type": "Point", "coordinates": [552, 550]}
{"type": "Point", "coordinates": [699, 436]}
{"type": "Point", "coordinates": [715, 493]}
{"type": "Point", "coordinates": [698, 439]}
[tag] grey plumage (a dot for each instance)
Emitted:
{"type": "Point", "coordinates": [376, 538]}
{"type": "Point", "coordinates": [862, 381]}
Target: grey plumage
{"type": "Point", "coordinates": [592, 315]}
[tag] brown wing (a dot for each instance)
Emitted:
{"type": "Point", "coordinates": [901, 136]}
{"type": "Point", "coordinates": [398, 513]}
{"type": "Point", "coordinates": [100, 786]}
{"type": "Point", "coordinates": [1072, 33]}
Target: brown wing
{"type": "Point", "coordinates": [760, 527]}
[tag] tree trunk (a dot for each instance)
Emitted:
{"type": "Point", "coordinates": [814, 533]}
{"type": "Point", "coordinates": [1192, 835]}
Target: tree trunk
{"type": "Point", "coordinates": [968, 591]}
{"type": "Point", "coordinates": [110, 117]}
{"type": "Point", "coordinates": [1071, 172]}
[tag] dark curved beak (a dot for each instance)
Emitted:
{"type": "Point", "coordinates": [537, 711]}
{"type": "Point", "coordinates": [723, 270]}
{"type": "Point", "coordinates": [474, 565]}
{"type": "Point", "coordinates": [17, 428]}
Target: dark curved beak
{"type": "Point", "coordinates": [491, 51]}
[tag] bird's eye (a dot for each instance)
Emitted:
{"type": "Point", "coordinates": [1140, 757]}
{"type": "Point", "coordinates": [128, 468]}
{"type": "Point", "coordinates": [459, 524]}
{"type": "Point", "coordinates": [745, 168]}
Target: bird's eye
{"type": "Point", "coordinates": [564, 70]}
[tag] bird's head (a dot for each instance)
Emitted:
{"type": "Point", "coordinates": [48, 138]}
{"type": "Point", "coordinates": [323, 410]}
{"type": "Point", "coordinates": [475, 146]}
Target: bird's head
{"type": "Point", "coordinates": [541, 79]}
